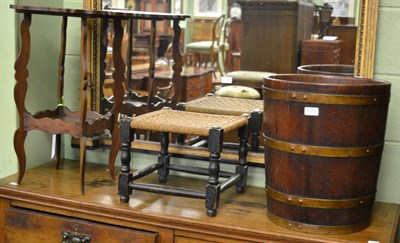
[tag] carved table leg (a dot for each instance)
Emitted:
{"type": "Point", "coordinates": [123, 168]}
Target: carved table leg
{"type": "Point", "coordinates": [83, 101]}
{"type": "Point", "coordinates": [82, 159]}
{"type": "Point", "coordinates": [60, 92]}
{"type": "Point", "coordinates": [118, 92]}
{"type": "Point", "coordinates": [178, 62]}
{"type": "Point", "coordinates": [21, 75]}
{"type": "Point", "coordinates": [215, 143]}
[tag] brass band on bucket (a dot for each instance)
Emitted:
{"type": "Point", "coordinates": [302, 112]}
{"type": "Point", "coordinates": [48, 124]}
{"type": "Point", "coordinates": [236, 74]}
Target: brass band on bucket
{"type": "Point", "coordinates": [320, 203]}
{"type": "Point", "coordinates": [323, 151]}
{"type": "Point", "coordinates": [317, 229]}
{"type": "Point", "coordinates": [319, 98]}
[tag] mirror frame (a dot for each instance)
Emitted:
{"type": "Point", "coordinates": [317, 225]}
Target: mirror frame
{"type": "Point", "coordinates": [366, 38]}
{"type": "Point", "coordinates": [363, 66]}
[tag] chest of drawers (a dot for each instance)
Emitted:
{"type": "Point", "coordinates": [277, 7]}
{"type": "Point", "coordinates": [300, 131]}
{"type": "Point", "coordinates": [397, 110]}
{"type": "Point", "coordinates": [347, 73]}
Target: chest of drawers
{"type": "Point", "coordinates": [320, 52]}
{"type": "Point", "coordinates": [47, 208]}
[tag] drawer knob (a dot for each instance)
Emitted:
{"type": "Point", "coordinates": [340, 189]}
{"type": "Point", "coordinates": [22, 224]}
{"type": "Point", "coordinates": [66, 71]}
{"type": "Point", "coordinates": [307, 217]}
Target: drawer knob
{"type": "Point", "coordinates": [74, 237]}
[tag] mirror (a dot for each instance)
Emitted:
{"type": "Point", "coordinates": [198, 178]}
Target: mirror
{"type": "Point", "coordinates": [363, 61]}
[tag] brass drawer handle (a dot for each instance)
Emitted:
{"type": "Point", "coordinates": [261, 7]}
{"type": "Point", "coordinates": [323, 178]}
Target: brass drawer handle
{"type": "Point", "coordinates": [75, 237]}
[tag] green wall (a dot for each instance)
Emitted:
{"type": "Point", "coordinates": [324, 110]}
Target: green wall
{"type": "Point", "coordinates": [387, 67]}
{"type": "Point", "coordinates": [8, 115]}
{"type": "Point", "coordinates": [42, 72]}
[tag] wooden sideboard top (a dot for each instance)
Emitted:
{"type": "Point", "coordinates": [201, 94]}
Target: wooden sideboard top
{"type": "Point", "coordinates": [241, 216]}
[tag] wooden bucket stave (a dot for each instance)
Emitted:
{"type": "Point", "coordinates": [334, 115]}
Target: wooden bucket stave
{"type": "Point", "coordinates": [322, 169]}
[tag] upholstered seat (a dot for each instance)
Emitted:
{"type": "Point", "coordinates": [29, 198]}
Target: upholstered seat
{"type": "Point", "coordinates": [205, 46]}
{"type": "Point", "coordinates": [253, 79]}
{"type": "Point", "coordinates": [238, 91]}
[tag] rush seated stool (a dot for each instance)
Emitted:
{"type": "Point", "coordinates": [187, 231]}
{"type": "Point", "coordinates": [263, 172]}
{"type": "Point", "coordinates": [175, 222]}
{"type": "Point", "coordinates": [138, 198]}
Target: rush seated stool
{"type": "Point", "coordinates": [212, 104]}
{"type": "Point", "coordinates": [168, 121]}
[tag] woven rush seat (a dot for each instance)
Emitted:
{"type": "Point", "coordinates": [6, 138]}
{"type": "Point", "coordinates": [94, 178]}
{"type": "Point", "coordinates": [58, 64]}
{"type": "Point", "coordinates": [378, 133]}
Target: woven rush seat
{"type": "Point", "coordinates": [169, 121]}
{"type": "Point", "coordinates": [224, 105]}
{"type": "Point", "coordinates": [181, 122]}
{"type": "Point", "coordinates": [212, 104]}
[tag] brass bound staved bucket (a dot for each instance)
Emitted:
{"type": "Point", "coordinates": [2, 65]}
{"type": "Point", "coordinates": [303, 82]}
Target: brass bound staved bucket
{"type": "Point", "coordinates": [323, 138]}
{"type": "Point", "coordinates": [327, 69]}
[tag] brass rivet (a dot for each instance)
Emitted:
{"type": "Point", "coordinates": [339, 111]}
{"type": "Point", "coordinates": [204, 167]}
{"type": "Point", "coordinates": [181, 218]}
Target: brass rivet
{"type": "Point", "coordinates": [299, 226]}
{"type": "Point", "coordinates": [305, 97]}
{"type": "Point", "coordinates": [292, 148]}
{"type": "Point", "coordinates": [290, 225]}
{"type": "Point", "coordinates": [301, 201]}
{"type": "Point", "coordinates": [375, 99]}
{"type": "Point", "coordinates": [367, 150]}
{"type": "Point", "coordinates": [289, 199]}
{"type": "Point", "coordinates": [294, 96]}
{"type": "Point", "coordinates": [361, 202]}
{"type": "Point", "coordinates": [303, 149]}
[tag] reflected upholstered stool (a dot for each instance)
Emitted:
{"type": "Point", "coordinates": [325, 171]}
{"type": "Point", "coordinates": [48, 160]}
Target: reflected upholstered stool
{"type": "Point", "coordinates": [212, 104]}
{"type": "Point", "coordinates": [253, 79]}
{"type": "Point", "coordinates": [238, 91]}
{"type": "Point", "coordinates": [169, 121]}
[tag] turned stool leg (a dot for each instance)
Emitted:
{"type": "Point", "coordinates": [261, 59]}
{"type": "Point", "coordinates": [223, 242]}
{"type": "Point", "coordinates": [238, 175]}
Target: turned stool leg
{"type": "Point", "coordinates": [241, 168]}
{"type": "Point", "coordinates": [164, 158]}
{"type": "Point", "coordinates": [254, 127]}
{"type": "Point", "coordinates": [215, 143]}
{"type": "Point", "coordinates": [125, 175]}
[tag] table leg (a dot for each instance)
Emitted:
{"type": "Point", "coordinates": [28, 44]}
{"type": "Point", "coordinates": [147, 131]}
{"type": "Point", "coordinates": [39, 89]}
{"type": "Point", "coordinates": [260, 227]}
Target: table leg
{"type": "Point", "coordinates": [21, 75]}
{"type": "Point", "coordinates": [178, 62]}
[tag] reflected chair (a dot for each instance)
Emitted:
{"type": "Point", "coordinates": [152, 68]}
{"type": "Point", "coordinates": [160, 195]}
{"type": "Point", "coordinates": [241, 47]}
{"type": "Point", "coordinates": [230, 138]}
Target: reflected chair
{"type": "Point", "coordinates": [207, 52]}
{"type": "Point", "coordinates": [154, 96]}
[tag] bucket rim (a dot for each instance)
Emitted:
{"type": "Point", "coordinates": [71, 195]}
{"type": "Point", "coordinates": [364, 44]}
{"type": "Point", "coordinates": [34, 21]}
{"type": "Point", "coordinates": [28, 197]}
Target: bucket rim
{"type": "Point", "coordinates": [368, 81]}
{"type": "Point", "coordinates": [327, 69]}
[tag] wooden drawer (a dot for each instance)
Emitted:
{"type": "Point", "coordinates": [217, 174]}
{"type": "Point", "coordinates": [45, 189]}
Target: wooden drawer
{"type": "Point", "coordinates": [179, 239]}
{"type": "Point", "coordinates": [195, 93]}
{"type": "Point", "coordinates": [196, 238]}
{"type": "Point", "coordinates": [195, 82]}
{"type": "Point", "coordinates": [198, 86]}
{"type": "Point", "coordinates": [29, 226]}
{"type": "Point", "coordinates": [320, 52]}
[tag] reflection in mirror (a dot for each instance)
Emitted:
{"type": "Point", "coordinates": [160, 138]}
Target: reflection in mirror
{"type": "Point", "coordinates": [359, 26]}
{"type": "Point", "coordinates": [137, 49]}
{"type": "Point", "coordinates": [282, 35]}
